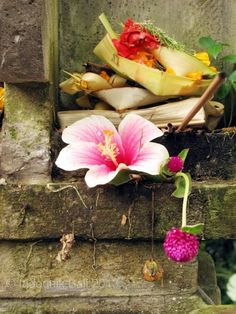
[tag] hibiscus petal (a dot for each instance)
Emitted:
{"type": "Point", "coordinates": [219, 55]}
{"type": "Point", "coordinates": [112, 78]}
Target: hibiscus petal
{"type": "Point", "coordinates": [150, 158]}
{"type": "Point", "coordinates": [135, 131]}
{"type": "Point", "coordinates": [89, 129]}
{"type": "Point", "coordinates": [80, 155]}
{"type": "Point", "coordinates": [98, 175]}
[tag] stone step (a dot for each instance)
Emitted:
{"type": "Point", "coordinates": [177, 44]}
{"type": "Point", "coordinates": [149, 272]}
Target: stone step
{"type": "Point", "coordinates": [107, 280]}
{"type": "Point", "coordinates": [34, 211]}
{"type": "Point", "coordinates": [219, 309]}
{"type": "Point", "coordinates": [112, 305]}
{"type": "Point", "coordinates": [114, 269]}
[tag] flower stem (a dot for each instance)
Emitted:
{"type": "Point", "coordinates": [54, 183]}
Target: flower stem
{"type": "Point", "coordinates": [107, 26]}
{"type": "Point", "coordinates": [185, 200]}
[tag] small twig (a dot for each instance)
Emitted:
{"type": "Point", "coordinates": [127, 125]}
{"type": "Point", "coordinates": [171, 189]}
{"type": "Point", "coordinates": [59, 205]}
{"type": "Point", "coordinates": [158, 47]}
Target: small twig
{"type": "Point", "coordinates": [206, 96]}
{"type": "Point", "coordinates": [23, 214]}
{"type": "Point", "coordinates": [131, 208]}
{"type": "Point", "coordinates": [153, 219]}
{"type": "Point", "coordinates": [73, 227]}
{"type": "Point", "coordinates": [205, 297]}
{"type": "Point", "coordinates": [29, 255]}
{"type": "Point", "coordinates": [97, 198]}
{"type": "Point", "coordinates": [50, 186]}
{"type": "Point", "coordinates": [130, 220]}
{"type": "Point", "coordinates": [94, 266]}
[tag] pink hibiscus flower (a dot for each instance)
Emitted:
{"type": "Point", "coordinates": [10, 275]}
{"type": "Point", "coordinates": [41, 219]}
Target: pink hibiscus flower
{"type": "Point", "coordinates": [94, 143]}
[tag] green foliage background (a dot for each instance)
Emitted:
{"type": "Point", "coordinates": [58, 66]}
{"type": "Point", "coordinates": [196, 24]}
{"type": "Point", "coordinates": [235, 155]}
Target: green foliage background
{"type": "Point", "coordinates": [227, 92]}
{"type": "Point", "coordinates": [224, 254]}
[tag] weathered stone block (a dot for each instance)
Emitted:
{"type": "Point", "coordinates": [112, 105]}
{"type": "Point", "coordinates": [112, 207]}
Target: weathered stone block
{"type": "Point", "coordinates": [211, 155]}
{"type": "Point", "coordinates": [22, 44]}
{"type": "Point", "coordinates": [219, 309]}
{"type": "Point", "coordinates": [102, 305]}
{"type": "Point", "coordinates": [35, 211]}
{"type": "Point", "coordinates": [112, 273]}
{"type": "Point", "coordinates": [207, 277]}
{"type": "Point", "coordinates": [25, 147]}
{"type": "Point", "coordinates": [114, 269]}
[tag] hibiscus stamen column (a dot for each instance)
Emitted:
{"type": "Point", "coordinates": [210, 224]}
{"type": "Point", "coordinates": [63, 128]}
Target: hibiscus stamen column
{"type": "Point", "coordinates": [108, 148]}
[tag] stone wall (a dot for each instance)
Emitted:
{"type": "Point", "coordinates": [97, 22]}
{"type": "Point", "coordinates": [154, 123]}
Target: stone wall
{"type": "Point", "coordinates": [28, 46]}
{"type": "Point", "coordinates": [185, 20]}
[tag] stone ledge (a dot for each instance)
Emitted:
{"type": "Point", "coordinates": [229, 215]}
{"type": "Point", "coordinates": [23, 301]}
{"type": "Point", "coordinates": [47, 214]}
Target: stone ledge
{"type": "Point", "coordinates": [219, 309]}
{"type": "Point", "coordinates": [113, 305]}
{"type": "Point", "coordinates": [33, 211]}
{"type": "Point", "coordinates": [115, 270]}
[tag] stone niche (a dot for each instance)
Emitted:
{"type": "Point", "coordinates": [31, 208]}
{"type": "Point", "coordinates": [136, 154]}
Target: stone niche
{"type": "Point", "coordinates": [39, 39]}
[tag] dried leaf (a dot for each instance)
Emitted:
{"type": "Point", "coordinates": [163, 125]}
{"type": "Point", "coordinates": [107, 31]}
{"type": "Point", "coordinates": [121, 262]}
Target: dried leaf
{"type": "Point", "coordinates": [152, 271]}
{"type": "Point", "coordinates": [123, 220]}
{"type": "Point", "coordinates": [67, 241]}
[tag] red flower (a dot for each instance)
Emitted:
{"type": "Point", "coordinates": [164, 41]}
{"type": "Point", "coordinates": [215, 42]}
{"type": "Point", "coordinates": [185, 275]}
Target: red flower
{"type": "Point", "coordinates": [133, 39]}
{"type": "Point", "coordinates": [175, 164]}
{"type": "Point", "coordinates": [124, 50]}
{"type": "Point", "coordinates": [180, 246]}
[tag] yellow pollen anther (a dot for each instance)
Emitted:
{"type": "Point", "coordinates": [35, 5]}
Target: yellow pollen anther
{"type": "Point", "coordinates": [108, 133]}
{"type": "Point", "coordinates": [108, 148]}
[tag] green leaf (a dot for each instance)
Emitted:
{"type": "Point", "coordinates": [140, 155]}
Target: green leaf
{"type": "Point", "coordinates": [125, 176]}
{"type": "Point", "coordinates": [194, 229]}
{"type": "Point", "coordinates": [234, 86]}
{"type": "Point", "coordinates": [215, 50]}
{"type": "Point", "coordinates": [223, 91]}
{"type": "Point", "coordinates": [156, 179]}
{"type": "Point", "coordinates": [180, 186]}
{"type": "Point", "coordinates": [232, 77]}
{"type": "Point", "coordinates": [183, 154]}
{"type": "Point", "coordinates": [230, 58]}
{"type": "Point", "coordinates": [122, 177]}
{"type": "Point", "coordinates": [166, 172]}
{"type": "Point", "coordinates": [207, 42]}
{"type": "Point", "coordinates": [213, 47]}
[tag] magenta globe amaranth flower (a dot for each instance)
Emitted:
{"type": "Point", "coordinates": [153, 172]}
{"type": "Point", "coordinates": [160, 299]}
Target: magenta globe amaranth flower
{"type": "Point", "coordinates": [180, 246]}
{"type": "Point", "coordinates": [175, 164]}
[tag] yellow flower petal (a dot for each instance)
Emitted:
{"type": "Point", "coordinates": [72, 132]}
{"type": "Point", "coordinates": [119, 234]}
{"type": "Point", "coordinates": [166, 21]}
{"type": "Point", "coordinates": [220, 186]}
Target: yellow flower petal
{"type": "Point", "coordinates": [213, 69]}
{"type": "Point", "coordinates": [105, 75]}
{"type": "Point", "coordinates": [195, 75]}
{"type": "Point", "coordinates": [203, 56]}
{"type": "Point", "coordinates": [1, 98]}
{"type": "Point", "coordinates": [170, 70]}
